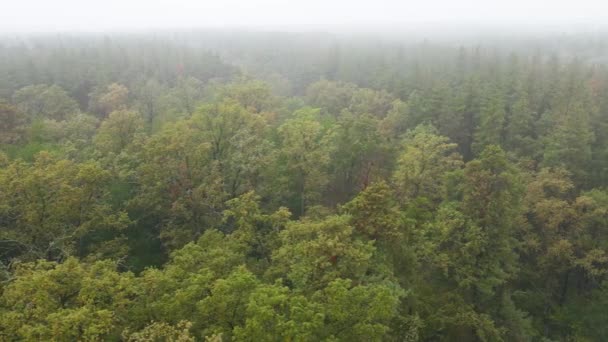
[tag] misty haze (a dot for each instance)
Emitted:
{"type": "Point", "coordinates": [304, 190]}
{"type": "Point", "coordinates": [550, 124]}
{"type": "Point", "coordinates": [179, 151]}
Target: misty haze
{"type": "Point", "coordinates": [271, 170]}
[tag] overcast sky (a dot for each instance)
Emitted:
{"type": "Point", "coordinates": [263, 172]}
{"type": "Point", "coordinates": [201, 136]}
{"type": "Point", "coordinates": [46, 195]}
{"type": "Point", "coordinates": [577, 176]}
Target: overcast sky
{"type": "Point", "coordinates": [105, 15]}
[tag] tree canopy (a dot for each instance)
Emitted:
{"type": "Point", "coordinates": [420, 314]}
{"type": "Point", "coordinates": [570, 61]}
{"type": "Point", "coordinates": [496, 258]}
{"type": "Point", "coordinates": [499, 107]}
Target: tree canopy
{"type": "Point", "coordinates": [203, 187]}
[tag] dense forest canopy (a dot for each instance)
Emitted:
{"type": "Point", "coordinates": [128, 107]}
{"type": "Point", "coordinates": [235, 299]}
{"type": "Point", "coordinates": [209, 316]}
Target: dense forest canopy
{"type": "Point", "coordinates": [241, 186]}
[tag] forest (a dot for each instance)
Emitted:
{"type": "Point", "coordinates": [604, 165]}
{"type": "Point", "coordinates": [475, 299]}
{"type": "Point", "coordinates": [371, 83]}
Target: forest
{"type": "Point", "coordinates": [265, 186]}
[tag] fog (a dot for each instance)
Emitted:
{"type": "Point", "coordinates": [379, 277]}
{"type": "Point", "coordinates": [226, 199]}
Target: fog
{"type": "Point", "coordinates": [300, 15]}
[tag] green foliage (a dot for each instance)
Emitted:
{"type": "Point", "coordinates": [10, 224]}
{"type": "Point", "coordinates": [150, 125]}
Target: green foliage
{"type": "Point", "coordinates": [304, 154]}
{"type": "Point", "coordinates": [109, 99]}
{"type": "Point", "coordinates": [54, 208]}
{"type": "Point", "coordinates": [569, 142]}
{"type": "Point", "coordinates": [68, 301]}
{"type": "Point", "coordinates": [374, 213]}
{"type": "Point", "coordinates": [160, 331]}
{"type": "Point", "coordinates": [438, 194]}
{"type": "Point", "coordinates": [492, 121]}
{"type": "Point", "coordinates": [12, 123]}
{"type": "Point", "coordinates": [312, 254]}
{"type": "Point", "coordinates": [118, 131]}
{"type": "Point", "coordinates": [44, 101]}
{"type": "Point", "coordinates": [491, 199]}
{"type": "Point", "coordinates": [422, 166]}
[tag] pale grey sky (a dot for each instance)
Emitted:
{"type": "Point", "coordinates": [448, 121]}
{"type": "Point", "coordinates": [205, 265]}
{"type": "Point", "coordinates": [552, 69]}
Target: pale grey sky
{"type": "Point", "coordinates": [103, 15]}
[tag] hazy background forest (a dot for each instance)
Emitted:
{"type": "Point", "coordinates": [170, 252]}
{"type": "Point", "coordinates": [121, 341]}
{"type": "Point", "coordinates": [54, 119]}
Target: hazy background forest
{"type": "Point", "coordinates": [303, 185]}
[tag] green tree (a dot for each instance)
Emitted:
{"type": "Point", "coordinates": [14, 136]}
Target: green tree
{"type": "Point", "coordinates": [55, 208]}
{"type": "Point", "coordinates": [237, 142]}
{"type": "Point", "coordinates": [106, 100]}
{"type": "Point", "coordinates": [118, 130]}
{"type": "Point", "coordinates": [520, 130]}
{"type": "Point", "coordinates": [255, 96]}
{"type": "Point", "coordinates": [149, 101]}
{"type": "Point", "coordinates": [423, 164]}
{"type": "Point", "coordinates": [492, 121]}
{"type": "Point", "coordinates": [358, 155]}
{"type": "Point", "coordinates": [67, 301]}
{"type": "Point", "coordinates": [304, 154]}
{"type": "Point", "coordinates": [12, 123]}
{"type": "Point", "coordinates": [568, 143]}
{"type": "Point", "coordinates": [312, 254]}
{"type": "Point", "coordinates": [160, 331]}
{"type": "Point", "coordinates": [491, 200]}
{"type": "Point", "coordinates": [179, 189]}
{"type": "Point", "coordinates": [333, 97]}
{"type": "Point", "coordinates": [43, 101]}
